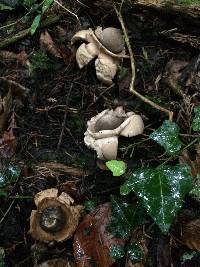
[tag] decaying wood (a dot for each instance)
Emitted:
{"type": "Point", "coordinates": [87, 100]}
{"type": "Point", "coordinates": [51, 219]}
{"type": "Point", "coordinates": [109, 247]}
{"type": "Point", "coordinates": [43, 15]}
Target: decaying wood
{"type": "Point", "coordinates": [20, 35]}
{"type": "Point", "coordinates": [191, 12]}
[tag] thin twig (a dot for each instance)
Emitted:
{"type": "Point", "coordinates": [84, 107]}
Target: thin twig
{"type": "Point", "coordinates": [65, 117]}
{"type": "Point", "coordinates": [8, 210]}
{"type": "Point", "coordinates": [131, 87]}
{"type": "Point", "coordinates": [66, 9]}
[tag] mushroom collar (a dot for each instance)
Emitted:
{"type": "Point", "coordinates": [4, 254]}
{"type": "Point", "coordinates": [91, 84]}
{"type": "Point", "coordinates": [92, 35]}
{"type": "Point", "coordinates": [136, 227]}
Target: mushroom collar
{"type": "Point", "coordinates": [104, 129]}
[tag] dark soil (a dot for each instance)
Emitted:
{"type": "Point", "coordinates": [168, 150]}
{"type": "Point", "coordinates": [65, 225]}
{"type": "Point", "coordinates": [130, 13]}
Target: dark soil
{"type": "Point", "coordinates": [40, 124]}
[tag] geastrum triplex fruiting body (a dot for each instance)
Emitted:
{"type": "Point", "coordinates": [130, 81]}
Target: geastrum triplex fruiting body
{"type": "Point", "coordinates": [56, 218]}
{"type": "Point", "coordinates": [104, 129]}
{"type": "Point", "coordinates": [107, 46]}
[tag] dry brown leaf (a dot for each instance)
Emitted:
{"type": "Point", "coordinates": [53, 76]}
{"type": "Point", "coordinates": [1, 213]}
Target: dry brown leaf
{"type": "Point", "coordinates": [173, 72]}
{"type": "Point", "coordinates": [194, 164]}
{"type": "Point", "coordinates": [6, 105]}
{"type": "Point", "coordinates": [10, 92]}
{"type": "Point", "coordinates": [92, 242]}
{"type": "Point", "coordinates": [46, 43]}
{"type": "Point", "coordinates": [8, 144]}
{"type": "Point", "coordinates": [191, 235]}
{"type": "Point", "coordinates": [21, 57]}
{"type": "Point", "coordinates": [8, 141]}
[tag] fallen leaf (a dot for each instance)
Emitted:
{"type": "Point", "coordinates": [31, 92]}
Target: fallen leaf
{"type": "Point", "coordinates": [173, 72]}
{"type": "Point", "coordinates": [21, 57]}
{"type": "Point", "coordinates": [8, 144]}
{"type": "Point", "coordinates": [184, 158]}
{"type": "Point", "coordinates": [191, 235]}
{"type": "Point", "coordinates": [47, 44]}
{"type": "Point", "coordinates": [11, 93]}
{"type": "Point", "coordinates": [6, 104]}
{"type": "Point", "coordinates": [92, 242]}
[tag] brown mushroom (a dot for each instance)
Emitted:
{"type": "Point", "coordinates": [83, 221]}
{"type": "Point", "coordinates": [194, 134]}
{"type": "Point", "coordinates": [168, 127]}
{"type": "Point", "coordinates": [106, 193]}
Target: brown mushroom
{"type": "Point", "coordinates": [56, 218]}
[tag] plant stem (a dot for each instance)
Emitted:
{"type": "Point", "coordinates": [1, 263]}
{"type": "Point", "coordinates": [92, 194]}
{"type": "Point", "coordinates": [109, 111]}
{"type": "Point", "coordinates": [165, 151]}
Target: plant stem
{"type": "Point", "coordinates": [175, 156]}
{"type": "Point", "coordinates": [131, 87]}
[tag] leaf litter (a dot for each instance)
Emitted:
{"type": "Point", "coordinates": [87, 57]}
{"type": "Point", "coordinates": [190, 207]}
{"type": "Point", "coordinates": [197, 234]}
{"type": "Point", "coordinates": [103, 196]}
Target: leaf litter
{"type": "Point", "coordinates": [45, 63]}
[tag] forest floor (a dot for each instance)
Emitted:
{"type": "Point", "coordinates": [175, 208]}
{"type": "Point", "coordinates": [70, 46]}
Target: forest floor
{"type": "Point", "coordinates": [46, 101]}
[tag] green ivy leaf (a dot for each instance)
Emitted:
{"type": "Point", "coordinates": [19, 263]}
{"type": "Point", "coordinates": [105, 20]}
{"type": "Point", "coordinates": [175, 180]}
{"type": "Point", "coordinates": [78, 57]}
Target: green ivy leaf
{"type": "Point", "coordinates": [161, 191]}
{"type": "Point", "coordinates": [125, 217]}
{"type": "Point", "coordinates": [135, 253]}
{"type": "Point", "coordinates": [167, 136]}
{"type": "Point", "coordinates": [196, 119]}
{"type": "Point", "coordinates": [8, 175]}
{"type": "Point", "coordinates": [117, 252]}
{"type": "Point", "coordinates": [117, 167]}
{"type": "Point", "coordinates": [46, 5]}
{"type": "Point", "coordinates": [35, 24]}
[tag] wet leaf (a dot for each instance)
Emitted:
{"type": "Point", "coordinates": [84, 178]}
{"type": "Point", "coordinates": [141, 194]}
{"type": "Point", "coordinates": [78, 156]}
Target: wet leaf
{"type": "Point", "coordinates": [92, 242]}
{"type": "Point", "coordinates": [46, 5]}
{"type": "Point", "coordinates": [167, 136]}
{"type": "Point", "coordinates": [35, 24]}
{"type": "Point", "coordinates": [135, 253]}
{"type": "Point", "coordinates": [161, 191]}
{"type": "Point", "coordinates": [117, 167]}
{"type": "Point", "coordinates": [125, 217]}
{"type": "Point", "coordinates": [117, 252]}
{"type": "Point", "coordinates": [196, 119]}
{"type": "Point", "coordinates": [8, 174]}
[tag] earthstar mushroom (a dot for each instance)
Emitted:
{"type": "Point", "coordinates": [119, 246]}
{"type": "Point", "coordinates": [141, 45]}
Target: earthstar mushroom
{"type": "Point", "coordinates": [106, 45]}
{"type": "Point", "coordinates": [104, 129]}
{"type": "Point", "coordinates": [56, 218]}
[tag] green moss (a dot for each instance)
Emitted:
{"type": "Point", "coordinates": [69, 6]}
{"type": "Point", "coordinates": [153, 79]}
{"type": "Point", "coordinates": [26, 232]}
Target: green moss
{"type": "Point", "coordinates": [40, 61]}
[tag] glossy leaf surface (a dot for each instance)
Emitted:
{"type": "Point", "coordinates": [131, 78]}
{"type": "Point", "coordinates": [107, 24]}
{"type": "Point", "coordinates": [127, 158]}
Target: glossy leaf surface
{"type": "Point", "coordinates": [117, 252]}
{"type": "Point", "coordinates": [117, 167]}
{"type": "Point", "coordinates": [8, 174]}
{"type": "Point", "coordinates": [167, 136]}
{"type": "Point", "coordinates": [46, 5]}
{"type": "Point", "coordinates": [196, 119]}
{"type": "Point", "coordinates": [92, 241]}
{"type": "Point", "coordinates": [135, 253]}
{"type": "Point", "coordinates": [125, 217]}
{"type": "Point", "coordinates": [161, 191]}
